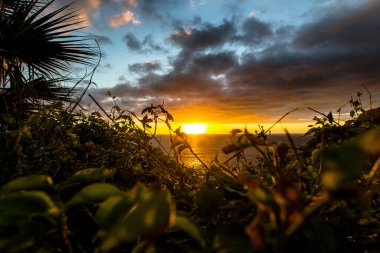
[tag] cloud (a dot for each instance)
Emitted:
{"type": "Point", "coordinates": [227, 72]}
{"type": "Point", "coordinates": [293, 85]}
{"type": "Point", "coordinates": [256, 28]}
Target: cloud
{"type": "Point", "coordinates": [123, 18]}
{"type": "Point", "coordinates": [102, 40]}
{"type": "Point", "coordinates": [205, 35]}
{"type": "Point", "coordinates": [349, 27]}
{"type": "Point", "coordinates": [212, 63]}
{"type": "Point", "coordinates": [132, 42]}
{"type": "Point", "coordinates": [144, 68]}
{"type": "Point", "coordinates": [104, 68]}
{"type": "Point", "coordinates": [96, 12]}
{"type": "Point", "coordinates": [208, 35]}
{"type": "Point", "coordinates": [151, 45]}
{"type": "Point", "coordinates": [147, 45]}
{"type": "Point", "coordinates": [254, 31]}
{"type": "Point", "coordinates": [319, 64]}
{"type": "Point", "coordinates": [252, 13]}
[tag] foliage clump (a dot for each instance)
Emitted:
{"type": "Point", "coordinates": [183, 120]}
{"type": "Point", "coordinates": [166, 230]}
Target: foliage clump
{"type": "Point", "coordinates": [73, 181]}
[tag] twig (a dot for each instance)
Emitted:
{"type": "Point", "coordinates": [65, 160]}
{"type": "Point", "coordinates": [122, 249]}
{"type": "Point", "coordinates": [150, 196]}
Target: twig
{"type": "Point", "coordinates": [101, 108]}
{"type": "Point", "coordinates": [196, 156]}
{"type": "Point", "coordinates": [370, 95]}
{"type": "Point", "coordinates": [241, 151]}
{"type": "Point", "coordinates": [308, 211]}
{"type": "Point", "coordinates": [234, 156]}
{"type": "Point", "coordinates": [293, 146]}
{"type": "Point", "coordinates": [75, 85]}
{"type": "Point", "coordinates": [153, 136]}
{"type": "Point", "coordinates": [88, 85]}
{"type": "Point", "coordinates": [65, 233]}
{"type": "Point", "coordinates": [286, 114]}
{"type": "Point", "coordinates": [321, 113]}
{"type": "Point", "coordinates": [373, 171]}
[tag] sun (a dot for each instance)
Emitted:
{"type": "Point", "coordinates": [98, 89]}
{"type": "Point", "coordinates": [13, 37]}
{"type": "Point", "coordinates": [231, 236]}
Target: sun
{"type": "Point", "coordinates": [194, 128]}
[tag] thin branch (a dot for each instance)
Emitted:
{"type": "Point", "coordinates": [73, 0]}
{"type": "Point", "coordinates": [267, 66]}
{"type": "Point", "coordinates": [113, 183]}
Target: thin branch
{"type": "Point", "coordinates": [293, 146]}
{"type": "Point", "coordinates": [101, 108]}
{"type": "Point", "coordinates": [373, 171]}
{"type": "Point", "coordinates": [370, 95]}
{"type": "Point", "coordinates": [286, 114]}
{"type": "Point", "coordinates": [321, 113]}
{"type": "Point", "coordinates": [241, 151]}
{"type": "Point", "coordinates": [88, 85]}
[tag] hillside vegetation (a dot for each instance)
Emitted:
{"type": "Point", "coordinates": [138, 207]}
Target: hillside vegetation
{"type": "Point", "coordinates": [73, 181]}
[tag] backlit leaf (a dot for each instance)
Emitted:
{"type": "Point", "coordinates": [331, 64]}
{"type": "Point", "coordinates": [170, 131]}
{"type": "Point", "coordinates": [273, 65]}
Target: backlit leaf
{"type": "Point", "coordinates": [87, 175]}
{"type": "Point", "coordinates": [113, 209]}
{"type": "Point", "coordinates": [25, 204]}
{"type": "Point", "coordinates": [148, 218]}
{"type": "Point", "coordinates": [34, 182]}
{"type": "Point", "coordinates": [185, 224]}
{"type": "Point", "coordinates": [95, 193]}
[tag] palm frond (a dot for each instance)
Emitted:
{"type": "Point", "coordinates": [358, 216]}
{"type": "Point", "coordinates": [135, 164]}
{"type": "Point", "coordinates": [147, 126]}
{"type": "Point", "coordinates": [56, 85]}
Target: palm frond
{"type": "Point", "coordinates": [43, 41]}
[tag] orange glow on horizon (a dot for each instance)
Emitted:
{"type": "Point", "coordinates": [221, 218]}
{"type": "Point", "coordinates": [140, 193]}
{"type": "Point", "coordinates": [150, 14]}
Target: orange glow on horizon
{"type": "Point", "coordinates": [226, 128]}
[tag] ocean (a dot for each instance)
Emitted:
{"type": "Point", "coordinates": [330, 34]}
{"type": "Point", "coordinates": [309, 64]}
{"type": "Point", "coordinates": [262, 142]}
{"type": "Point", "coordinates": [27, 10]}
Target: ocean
{"type": "Point", "coordinates": [208, 146]}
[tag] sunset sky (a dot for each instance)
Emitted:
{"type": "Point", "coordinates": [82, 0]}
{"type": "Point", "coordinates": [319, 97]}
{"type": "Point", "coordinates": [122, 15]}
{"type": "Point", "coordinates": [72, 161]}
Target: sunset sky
{"type": "Point", "coordinates": [233, 64]}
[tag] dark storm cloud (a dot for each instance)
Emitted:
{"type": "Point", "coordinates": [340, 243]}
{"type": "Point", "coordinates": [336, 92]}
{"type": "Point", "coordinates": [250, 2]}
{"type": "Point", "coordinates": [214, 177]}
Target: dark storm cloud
{"type": "Point", "coordinates": [354, 27]}
{"type": "Point", "coordinates": [202, 37]}
{"type": "Point", "coordinates": [151, 45]}
{"type": "Point", "coordinates": [254, 31]}
{"type": "Point", "coordinates": [336, 47]}
{"type": "Point", "coordinates": [144, 68]}
{"type": "Point", "coordinates": [205, 35]}
{"type": "Point", "coordinates": [327, 60]}
{"type": "Point", "coordinates": [179, 84]}
{"type": "Point", "coordinates": [132, 42]}
{"type": "Point", "coordinates": [208, 35]}
{"type": "Point", "coordinates": [170, 85]}
{"type": "Point", "coordinates": [213, 63]}
{"type": "Point", "coordinates": [147, 45]}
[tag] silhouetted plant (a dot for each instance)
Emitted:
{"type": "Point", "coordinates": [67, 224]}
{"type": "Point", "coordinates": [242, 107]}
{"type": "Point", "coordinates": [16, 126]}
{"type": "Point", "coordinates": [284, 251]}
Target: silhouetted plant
{"type": "Point", "coordinates": [35, 47]}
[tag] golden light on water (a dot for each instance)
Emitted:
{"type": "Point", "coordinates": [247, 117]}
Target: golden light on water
{"type": "Point", "coordinates": [195, 128]}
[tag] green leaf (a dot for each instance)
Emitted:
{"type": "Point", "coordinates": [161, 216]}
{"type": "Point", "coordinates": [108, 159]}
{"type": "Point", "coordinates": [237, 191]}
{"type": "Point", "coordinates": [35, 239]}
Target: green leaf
{"type": "Point", "coordinates": [183, 223]}
{"type": "Point", "coordinates": [113, 209]}
{"type": "Point", "coordinates": [145, 110]}
{"type": "Point", "coordinates": [352, 114]}
{"type": "Point", "coordinates": [330, 118]}
{"type": "Point", "coordinates": [182, 148]}
{"type": "Point", "coordinates": [148, 218]}
{"type": "Point", "coordinates": [208, 201]}
{"type": "Point", "coordinates": [235, 131]}
{"type": "Point", "coordinates": [141, 247]}
{"type": "Point", "coordinates": [34, 182]}
{"type": "Point", "coordinates": [95, 193]}
{"type": "Point", "coordinates": [87, 175]}
{"type": "Point", "coordinates": [333, 180]}
{"type": "Point", "coordinates": [343, 164]}
{"type": "Point", "coordinates": [177, 143]}
{"type": "Point", "coordinates": [22, 205]}
{"type": "Point", "coordinates": [169, 117]}
{"type": "Point", "coordinates": [370, 141]}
